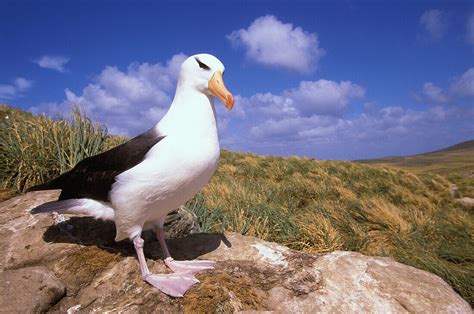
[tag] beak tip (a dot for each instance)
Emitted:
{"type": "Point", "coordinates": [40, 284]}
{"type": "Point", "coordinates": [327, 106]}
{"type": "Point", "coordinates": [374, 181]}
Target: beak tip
{"type": "Point", "coordinates": [230, 102]}
{"type": "Point", "coordinates": [217, 88]}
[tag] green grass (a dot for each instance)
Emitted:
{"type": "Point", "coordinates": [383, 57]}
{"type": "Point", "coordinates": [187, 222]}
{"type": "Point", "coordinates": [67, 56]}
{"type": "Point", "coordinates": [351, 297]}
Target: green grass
{"type": "Point", "coordinates": [307, 204]}
{"type": "Point", "coordinates": [36, 149]}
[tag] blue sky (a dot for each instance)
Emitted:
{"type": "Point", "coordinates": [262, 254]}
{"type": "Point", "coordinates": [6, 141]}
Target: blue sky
{"type": "Point", "coordinates": [325, 79]}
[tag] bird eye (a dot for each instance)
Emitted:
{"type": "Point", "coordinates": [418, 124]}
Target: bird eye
{"type": "Point", "coordinates": [202, 65]}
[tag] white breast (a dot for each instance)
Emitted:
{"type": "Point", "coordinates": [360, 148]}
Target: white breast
{"type": "Point", "coordinates": [173, 171]}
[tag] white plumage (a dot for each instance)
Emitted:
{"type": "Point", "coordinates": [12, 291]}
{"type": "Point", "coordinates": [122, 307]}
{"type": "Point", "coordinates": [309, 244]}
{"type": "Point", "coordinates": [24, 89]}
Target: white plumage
{"type": "Point", "coordinates": [173, 170]}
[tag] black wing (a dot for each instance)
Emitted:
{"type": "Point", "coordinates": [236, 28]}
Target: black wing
{"type": "Point", "coordinates": [93, 177]}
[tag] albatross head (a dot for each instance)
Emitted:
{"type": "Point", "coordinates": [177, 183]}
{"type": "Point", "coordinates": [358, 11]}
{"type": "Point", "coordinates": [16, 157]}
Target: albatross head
{"type": "Point", "coordinates": [204, 73]}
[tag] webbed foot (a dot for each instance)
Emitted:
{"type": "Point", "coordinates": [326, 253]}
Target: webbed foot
{"type": "Point", "coordinates": [193, 266]}
{"type": "Point", "coordinates": [175, 284]}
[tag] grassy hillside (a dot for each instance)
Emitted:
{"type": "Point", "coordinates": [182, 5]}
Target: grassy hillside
{"type": "Point", "coordinates": [458, 158]}
{"type": "Point", "coordinates": [322, 206]}
{"type": "Point", "coordinates": [327, 205]}
{"type": "Point", "coordinates": [455, 163]}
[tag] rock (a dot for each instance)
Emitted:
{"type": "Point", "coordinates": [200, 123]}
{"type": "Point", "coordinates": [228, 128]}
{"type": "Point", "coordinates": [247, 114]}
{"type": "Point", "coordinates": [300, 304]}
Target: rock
{"type": "Point", "coordinates": [454, 191]}
{"type": "Point", "coordinates": [466, 201]}
{"type": "Point", "coordinates": [45, 290]}
{"type": "Point", "coordinates": [251, 275]}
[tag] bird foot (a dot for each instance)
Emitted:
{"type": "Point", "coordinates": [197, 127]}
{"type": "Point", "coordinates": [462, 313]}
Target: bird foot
{"type": "Point", "coordinates": [193, 266]}
{"type": "Point", "coordinates": [174, 285]}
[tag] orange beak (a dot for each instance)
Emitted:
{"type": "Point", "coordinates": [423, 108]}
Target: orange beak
{"type": "Point", "coordinates": [218, 89]}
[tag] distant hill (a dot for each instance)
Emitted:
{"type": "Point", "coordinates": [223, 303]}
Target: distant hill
{"type": "Point", "coordinates": [467, 145]}
{"type": "Point", "coordinates": [8, 112]}
{"type": "Point", "coordinates": [458, 159]}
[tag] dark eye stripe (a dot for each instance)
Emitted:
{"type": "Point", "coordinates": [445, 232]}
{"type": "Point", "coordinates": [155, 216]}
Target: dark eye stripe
{"type": "Point", "coordinates": [202, 65]}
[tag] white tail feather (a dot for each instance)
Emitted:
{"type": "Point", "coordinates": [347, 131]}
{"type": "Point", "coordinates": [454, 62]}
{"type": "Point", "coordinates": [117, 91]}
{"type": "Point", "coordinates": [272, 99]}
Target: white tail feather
{"type": "Point", "coordinates": [82, 206]}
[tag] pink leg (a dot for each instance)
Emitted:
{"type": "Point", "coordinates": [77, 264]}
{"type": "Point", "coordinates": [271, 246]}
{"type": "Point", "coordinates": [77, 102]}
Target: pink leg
{"type": "Point", "coordinates": [181, 266]}
{"type": "Point", "coordinates": [174, 285]}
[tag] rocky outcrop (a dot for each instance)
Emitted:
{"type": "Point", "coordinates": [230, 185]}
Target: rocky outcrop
{"type": "Point", "coordinates": [465, 201]}
{"type": "Point", "coordinates": [75, 266]}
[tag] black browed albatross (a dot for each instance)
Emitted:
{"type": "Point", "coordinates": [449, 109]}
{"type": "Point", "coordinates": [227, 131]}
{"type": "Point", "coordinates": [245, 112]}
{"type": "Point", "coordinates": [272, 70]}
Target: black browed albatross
{"type": "Point", "coordinates": [139, 182]}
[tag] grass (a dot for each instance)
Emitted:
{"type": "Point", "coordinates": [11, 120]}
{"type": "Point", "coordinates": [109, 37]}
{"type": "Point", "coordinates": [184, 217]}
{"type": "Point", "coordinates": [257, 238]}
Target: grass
{"type": "Point", "coordinates": [312, 205]}
{"type": "Point", "coordinates": [455, 162]}
{"type": "Point", "coordinates": [36, 149]}
{"type": "Point", "coordinates": [321, 206]}
{"type": "Point", "coordinates": [455, 159]}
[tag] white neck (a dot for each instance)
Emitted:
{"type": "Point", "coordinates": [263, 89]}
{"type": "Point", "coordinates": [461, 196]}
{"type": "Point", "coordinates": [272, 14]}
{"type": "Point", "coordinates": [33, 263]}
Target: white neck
{"type": "Point", "coordinates": [191, 113]}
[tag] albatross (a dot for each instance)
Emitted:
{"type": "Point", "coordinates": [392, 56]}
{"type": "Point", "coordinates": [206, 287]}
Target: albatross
{"type": "Point", "coordinates": [138, 183]}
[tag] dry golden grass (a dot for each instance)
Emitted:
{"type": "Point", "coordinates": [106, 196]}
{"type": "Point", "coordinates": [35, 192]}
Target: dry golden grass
{"type": "Point", "coordinates": [454, 159]}
{"type": "Point", "coordinates": [318, 234]}
{"type": "Point", "coordinates": [35, 149]}
{"type": "Point", "coordinates": [321, 206]}
{"type": "Point", "coordinates": [307, 204]}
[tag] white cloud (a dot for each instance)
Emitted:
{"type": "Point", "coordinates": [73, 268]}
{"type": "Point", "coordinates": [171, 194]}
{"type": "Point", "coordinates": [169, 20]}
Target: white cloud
{"type": "Point", "coordinates": [464, 86]}
{"type": "Point", "coordinates": [51, 109]}
{"type": "Point", "coordinates": [324, 96]}
{"type": "Point", "coordinates": [377, 132]}
{"type": "Point", "coordinates": [310, 111]}
{"type": "Point", "coordinates": [270, 42]}
{"type": "Point", "coordinates": [56, 63]}
{"type": "Point", "coordinates": [435, 23]}
{"type": "Point", "coordinates": [128, 102]}
{"type": "Point", "coordinates": [284, 123]}
{"type": "Point", "coordinates": [470, 29]}
{"type": "Point", "coordinates": [434, 94]}
{"type": "Point", "coordinates": [394, 121]}
{"type": "Point", "coordinates": [17, 89]}
{"type": "Point", "coordinates": [296, 129]}
{"type": "Point", "coordinates": [460, 87]}
{"type": "Point", "coordinates": [268, 105]}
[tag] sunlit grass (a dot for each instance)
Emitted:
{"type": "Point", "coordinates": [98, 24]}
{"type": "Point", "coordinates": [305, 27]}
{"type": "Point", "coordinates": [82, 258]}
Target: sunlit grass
{"type": "Point", "coordinates": [307, 204]}
{"type": "Point", "coordinates": [36, 149]}
{"type": "Point", "coordinates": [321, 206]}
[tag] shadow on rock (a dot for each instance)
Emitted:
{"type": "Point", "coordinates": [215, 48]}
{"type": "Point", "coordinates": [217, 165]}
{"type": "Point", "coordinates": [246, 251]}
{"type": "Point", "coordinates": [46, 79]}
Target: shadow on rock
{"type": "Point", "coordinates": [88, 231]}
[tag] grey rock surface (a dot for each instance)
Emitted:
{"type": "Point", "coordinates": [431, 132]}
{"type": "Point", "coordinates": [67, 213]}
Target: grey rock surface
{"type": "Point", "coordinates": [41, 285]}
{"type": "Point", "coordinates": [251, 275]}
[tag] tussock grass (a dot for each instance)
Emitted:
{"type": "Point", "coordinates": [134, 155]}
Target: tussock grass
{"type": "Point", "coordinates": [307, 204]}
{"type": "Point", "coordinates": [35, 149]}
{"type": "Point", "coordinates": [321, 206]}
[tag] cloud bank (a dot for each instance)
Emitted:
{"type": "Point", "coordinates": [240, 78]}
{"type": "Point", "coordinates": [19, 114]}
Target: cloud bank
{"type": "Point", "coordinates": [322, 118]}
{"type": "Point", "coordinates": [315, 119]}
{"type": "Point", "coordinates": [128, 101]}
